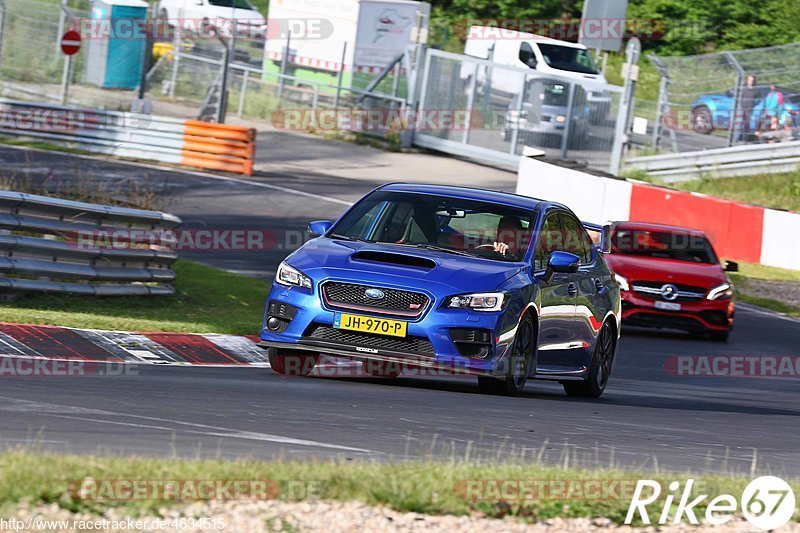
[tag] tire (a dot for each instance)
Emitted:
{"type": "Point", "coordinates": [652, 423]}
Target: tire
{"type": "Point", "coordinates": [522, 356]}
{"type": "Point", "coordinates": [599, 369]}
{"type": "Point", "coordinates": [702, 121]}
{"type": "Point", "coordinates": [719, 336]}
{"type": "Point", "coordinates": [382, 369]}
{"type": "Point", "coordinates": [292, 364]}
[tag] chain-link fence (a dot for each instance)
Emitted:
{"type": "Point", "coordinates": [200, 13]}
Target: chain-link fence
{"type": "Point", "coordinates": [705, 101]}
{"type": "Point", "coordinates": [481, 106]}
{"type": "Point", "coordinates": [31, 60]}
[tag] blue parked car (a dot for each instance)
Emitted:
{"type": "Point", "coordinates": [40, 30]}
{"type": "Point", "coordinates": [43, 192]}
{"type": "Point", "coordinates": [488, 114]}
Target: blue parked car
{"type": "Point", "coordinates": [714, 111]}
{"type": "Point", "coordinates": [492, 284]}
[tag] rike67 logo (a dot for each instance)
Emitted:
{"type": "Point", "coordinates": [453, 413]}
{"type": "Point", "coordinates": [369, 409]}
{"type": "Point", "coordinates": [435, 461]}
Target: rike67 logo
{"type": "Point", "coordinates": [768, 502]}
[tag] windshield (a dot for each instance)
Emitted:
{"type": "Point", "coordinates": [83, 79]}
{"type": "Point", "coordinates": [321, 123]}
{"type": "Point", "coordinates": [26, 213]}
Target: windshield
{"type": "Point", "coordinates": [237, 4]}
{"type": "Point", "coordinates": [568, 58]}
{"type": "Point", "coordinates": [452, 225]}
{"type": "Point", "coordinates": [666, 245]}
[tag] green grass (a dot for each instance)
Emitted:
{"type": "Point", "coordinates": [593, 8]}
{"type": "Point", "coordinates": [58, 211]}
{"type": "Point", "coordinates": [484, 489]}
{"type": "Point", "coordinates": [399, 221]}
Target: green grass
{"type": "Point", "coordinates": [424, 487]}
{"type": "Point", "coordinates": [207, 300]}
{"type": "Point", "coordinates": [752, 271]}
{"type": "Point", "coordinates": [778, 191]}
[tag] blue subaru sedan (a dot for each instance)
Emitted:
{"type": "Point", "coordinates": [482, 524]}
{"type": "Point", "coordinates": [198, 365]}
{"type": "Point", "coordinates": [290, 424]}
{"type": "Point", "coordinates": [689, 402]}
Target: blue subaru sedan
{"type": "Point", "coordinates": [452, 279]}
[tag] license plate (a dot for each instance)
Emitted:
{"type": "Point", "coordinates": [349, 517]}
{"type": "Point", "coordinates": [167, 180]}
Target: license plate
{"type": "Point", "coordinates": [368, 324]}
{"type": "Point", "coordinates": [668, 306]}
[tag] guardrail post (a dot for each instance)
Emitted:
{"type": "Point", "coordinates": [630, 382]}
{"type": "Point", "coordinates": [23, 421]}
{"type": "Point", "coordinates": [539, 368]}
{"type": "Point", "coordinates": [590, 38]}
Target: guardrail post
{"type": "Point", "coordinates": [243, 92]}
{"type": "Point", "coordinates": [568, 123]}
{"type": "Point", "coordinates": [340, 77]}
{"type": "Point", "coordinates": [733, 127]}
{"type": "Point", "coordinates": [473, 86]}
{"type": "Point", "coordinates": [522, 96]}
{"type": "Point", "coordinates": [176, 53]}
{"type": "Point", "coordinates": [284, 61]}
{"type": "Point", "coordinates": [61, 23]}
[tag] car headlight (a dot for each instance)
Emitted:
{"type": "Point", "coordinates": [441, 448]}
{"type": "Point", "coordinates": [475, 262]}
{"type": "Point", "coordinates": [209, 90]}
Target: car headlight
{"type": "Point", "coordinates": [484, 301]}
{"type": "Point", "coordinates": [623, 282]}
{"type": "Point", "coordinates": [289, 276]}
{"type": "Point", "coordinates": [721, 292]}
{"type": "Point", "coordinates": [561, 118]}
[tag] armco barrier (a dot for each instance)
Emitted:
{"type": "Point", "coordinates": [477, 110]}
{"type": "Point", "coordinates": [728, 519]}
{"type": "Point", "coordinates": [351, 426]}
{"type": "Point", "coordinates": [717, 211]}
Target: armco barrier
{"type": "Point", "coordinates": [744, 160]}
{"type": "Point", "coordinates": [738, 231]}
{"type": "Point", "coordinates": [163, 139]}
{"type": "Point", "coordinates": [54, 245]}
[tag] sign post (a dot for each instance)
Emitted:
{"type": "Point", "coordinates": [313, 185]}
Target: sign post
{"type": "Point", "coordinates": [70, 44]}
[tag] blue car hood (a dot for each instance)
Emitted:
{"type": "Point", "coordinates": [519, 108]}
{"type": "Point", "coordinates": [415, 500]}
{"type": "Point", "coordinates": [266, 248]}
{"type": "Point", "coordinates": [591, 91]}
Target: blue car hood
{"type": "Point", "coordinates": [324, 258]}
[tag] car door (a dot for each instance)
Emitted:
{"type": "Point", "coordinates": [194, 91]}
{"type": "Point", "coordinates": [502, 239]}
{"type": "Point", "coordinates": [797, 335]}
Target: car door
{"type": "Point", "coordinates": [557, 313]}
{"type": "Point", "coordinates": [589, 287]}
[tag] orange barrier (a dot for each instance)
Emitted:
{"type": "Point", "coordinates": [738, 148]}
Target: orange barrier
{"type": "Point", "coordinates": [218, 146]}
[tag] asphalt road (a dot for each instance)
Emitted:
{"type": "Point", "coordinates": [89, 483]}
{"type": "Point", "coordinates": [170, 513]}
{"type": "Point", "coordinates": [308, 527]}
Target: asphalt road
{"type": "Point", "coordinates": [647, 418]}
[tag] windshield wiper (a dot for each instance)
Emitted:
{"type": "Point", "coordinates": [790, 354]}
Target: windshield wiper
{"type": "Point", "coordinates": [442, 249]}
{"type": "Point", "coordinates": [347, 238]}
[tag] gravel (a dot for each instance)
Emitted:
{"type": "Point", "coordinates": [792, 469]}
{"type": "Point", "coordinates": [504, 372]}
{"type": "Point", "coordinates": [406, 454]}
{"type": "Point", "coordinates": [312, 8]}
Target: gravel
{"type": "Point", "coordinates": [347, 517]}
{"type": "Point", "coordinates": [787, 292]}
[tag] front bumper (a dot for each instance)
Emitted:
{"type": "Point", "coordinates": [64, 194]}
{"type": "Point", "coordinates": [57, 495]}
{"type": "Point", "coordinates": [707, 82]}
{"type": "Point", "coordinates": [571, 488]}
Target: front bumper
{"type": "Point", "coordinates": [429, 342]}
{"type": "Point", "coordinates": [694, 316]}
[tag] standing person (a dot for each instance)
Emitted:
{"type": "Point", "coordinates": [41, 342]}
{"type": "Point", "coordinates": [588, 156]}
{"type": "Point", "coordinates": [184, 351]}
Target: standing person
{"type": "Point", "coordinates": [748, 99]}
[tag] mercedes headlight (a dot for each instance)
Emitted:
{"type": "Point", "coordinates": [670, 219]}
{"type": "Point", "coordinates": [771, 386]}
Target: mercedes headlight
{"type": "Point", "coordinates": [623, 282]}
{"type": "Point", "coordinates": [484, 301]}
{"type": "Point", "coordinates": [720, 292]}
{"type": "Point", "coordinates": [290, 276]}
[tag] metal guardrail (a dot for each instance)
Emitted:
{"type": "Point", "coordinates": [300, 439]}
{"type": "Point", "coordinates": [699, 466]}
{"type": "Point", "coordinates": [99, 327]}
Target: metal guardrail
{"type": "Point", "coordinates": [133, 135]}
{"type": "Point", "coordinates": [741, 160]}
{"type": "Point", "coordinates": [53, 245]}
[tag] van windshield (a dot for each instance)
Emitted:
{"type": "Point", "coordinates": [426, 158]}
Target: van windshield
{"type": "Point", "coordinates": [236, 4]}
{"type": "Point", "coordinates": [568, 58]}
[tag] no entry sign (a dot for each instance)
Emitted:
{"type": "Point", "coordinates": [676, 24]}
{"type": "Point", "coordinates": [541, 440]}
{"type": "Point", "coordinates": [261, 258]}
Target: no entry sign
{"type": "Point", "coordinates": [71, 42]}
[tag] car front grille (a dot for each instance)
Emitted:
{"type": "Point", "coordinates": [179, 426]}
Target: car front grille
{"type": "Point", "coordinates": [353, 297]}
{"type": "Point", "coordinates": [685, 293]}
{"type": "Point", "coordinates": [409, 345]}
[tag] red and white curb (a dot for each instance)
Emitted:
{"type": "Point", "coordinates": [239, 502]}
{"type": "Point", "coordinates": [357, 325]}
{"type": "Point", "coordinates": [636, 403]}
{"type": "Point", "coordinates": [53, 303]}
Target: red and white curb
{"type": "Point", "coordinates": [56, 343]}
{"type": "Point", "coordinates": [90, 345]}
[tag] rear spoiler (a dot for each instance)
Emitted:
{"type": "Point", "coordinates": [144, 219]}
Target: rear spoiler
{"type": "Point", "coordinates": [601, 236]}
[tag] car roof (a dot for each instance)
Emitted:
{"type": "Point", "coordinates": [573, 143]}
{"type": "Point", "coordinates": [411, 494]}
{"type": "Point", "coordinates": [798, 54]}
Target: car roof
{"type": "Point", "coordinates": [649, 226]}
{"type": "Point", "coordinates": [471, 193]}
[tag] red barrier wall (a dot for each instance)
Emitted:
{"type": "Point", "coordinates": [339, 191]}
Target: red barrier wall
{"type": "Point", "coordinates": [735, 229]}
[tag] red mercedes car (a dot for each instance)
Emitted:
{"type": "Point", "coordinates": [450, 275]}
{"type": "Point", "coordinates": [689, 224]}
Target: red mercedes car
{"type": "Point", "coordinates": [670, 277]}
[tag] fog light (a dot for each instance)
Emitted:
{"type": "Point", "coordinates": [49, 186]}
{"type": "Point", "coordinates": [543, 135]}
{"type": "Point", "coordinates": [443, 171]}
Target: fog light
{"type": "Point", "coordinates": [273, 324]}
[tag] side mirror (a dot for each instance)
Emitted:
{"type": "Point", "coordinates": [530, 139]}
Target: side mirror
{"type": "Point", "coordinates": [731, 266]}
{"type": "Point", "coordinates": [319, 227]}
{"type": "Point", "coordinates": [561, 262]}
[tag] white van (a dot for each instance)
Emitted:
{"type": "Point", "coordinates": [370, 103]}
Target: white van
{"type": "Point", "coordinates": [542, 54]}
{"type": "Point", "coordinates": [198, 16]}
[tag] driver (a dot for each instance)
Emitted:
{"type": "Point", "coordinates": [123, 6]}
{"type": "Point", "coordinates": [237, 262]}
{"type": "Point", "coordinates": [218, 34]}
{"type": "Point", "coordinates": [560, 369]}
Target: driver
{"type": "Point", "coordinates": [510, 235]}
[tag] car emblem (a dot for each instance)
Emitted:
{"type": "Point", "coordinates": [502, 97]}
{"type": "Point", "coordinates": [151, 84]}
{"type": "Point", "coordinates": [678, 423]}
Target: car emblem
{"type": "Point", "coordinates": [374, 294]}
{"type": "Point", "coordinates": [669, 292]}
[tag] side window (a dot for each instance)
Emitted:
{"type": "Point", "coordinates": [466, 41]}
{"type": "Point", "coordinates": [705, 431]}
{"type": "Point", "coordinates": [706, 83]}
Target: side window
{"type": "Point", "coordinates": [550, 239]}
{"type": "Point", "coordinates": [576, 240]}
{"type": "Point", "coordinates": [526, 55]}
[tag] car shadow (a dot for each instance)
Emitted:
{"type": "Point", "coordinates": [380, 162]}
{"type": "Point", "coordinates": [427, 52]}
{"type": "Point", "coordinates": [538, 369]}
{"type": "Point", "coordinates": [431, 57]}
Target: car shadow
{"type": "Point", "coordinates": [612, 398]}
